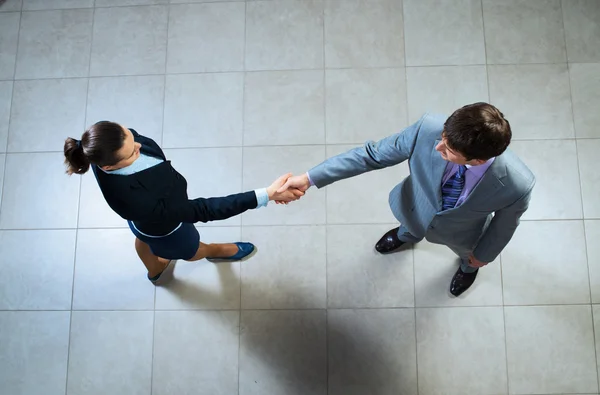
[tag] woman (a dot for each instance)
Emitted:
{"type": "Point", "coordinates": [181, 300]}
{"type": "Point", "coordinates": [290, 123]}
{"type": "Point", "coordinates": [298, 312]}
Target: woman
{"type": "Point", "coordinates": [140, 185]}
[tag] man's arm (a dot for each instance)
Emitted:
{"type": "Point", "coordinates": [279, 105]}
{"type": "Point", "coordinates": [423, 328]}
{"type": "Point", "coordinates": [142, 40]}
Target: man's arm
{"type": "Point", "coordinates": [387, 152]}
{"type": "Point", "coordinates": [501, 229]}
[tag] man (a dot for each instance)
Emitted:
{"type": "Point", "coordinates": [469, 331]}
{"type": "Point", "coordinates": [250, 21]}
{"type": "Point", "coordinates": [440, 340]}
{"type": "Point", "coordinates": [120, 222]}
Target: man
{"type": "Point", "coordinates": [465, 189]}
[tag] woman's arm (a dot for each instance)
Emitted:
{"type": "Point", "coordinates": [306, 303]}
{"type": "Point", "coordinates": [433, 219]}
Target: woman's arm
{"type": "Point", "coordinates": [220, 208]}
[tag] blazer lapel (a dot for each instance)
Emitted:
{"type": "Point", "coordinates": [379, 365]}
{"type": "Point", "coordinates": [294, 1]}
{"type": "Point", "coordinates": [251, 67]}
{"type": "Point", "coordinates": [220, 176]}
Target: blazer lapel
{"type": "Point", "coordinates": [490, 183]}
{"type": "Point", "coordinates": [438, 167]}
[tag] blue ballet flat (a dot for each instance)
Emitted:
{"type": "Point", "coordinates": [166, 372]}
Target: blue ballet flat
{"type": "Point", "coordinates": [245, 251]}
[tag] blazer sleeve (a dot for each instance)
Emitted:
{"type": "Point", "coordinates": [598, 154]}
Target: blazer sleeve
{"type": "Point", "coordinates": [372, 155]}
{"type": "Point", "coordinates": [502, 228]}
{"type": "Point", "coordinates": [209, 209]}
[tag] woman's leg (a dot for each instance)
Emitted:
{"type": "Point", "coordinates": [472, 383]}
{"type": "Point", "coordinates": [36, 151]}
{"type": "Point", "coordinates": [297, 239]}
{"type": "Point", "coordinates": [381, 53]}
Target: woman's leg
{"type": "Point", "coordinates": [154, 264]}
{"type": "Point", "coordinates": [214, 251]}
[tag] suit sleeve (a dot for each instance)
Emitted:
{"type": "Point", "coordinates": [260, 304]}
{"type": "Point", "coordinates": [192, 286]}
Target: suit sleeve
{"type": "Point", "coordinates": [387, 152]}
{"type": "Point", "coordinates": [210, 209]}
{"type": "Point", "coordinates": [501, 229]}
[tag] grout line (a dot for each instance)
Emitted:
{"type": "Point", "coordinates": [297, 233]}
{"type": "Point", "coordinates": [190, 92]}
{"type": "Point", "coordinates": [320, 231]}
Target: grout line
{"type": "Point", "coordinates": [487, 74]}
{"type": "Point", "coordinates": [505, 347]}
{"type": "Point", "coordinates": [587, 258]}
{"type": "Point", "coordinates": [357, 144]}
{"type": "Point", "coordinates": [489, 90]}
{"type": "Point", "coordinates": [153, 342]}
{"type": "Point", "coordinates": [504, 324]}
{"type": "Point", "coordinates": [162, 134]}
{"type": "Point", "coordinates": [80, 179]}
{"type": "Point", "coordinates": [277, 225]}
{"type": "Point", "coordinates": [412, 247]}
{"type": "Point", "coordinates": [310, 308]}
{"type": "Point", "coordinates": [324, 81]}
{"type": "Point", "coordinates": [282, 70]}
{"type": "Point", "coordinates": [241, 230]}
{"type": "Point", "coordinates": [12, 96]}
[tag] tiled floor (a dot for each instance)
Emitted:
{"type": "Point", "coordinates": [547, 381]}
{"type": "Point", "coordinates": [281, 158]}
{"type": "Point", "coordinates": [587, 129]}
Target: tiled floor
{"type": "Point", "coordinates": [241, 92]}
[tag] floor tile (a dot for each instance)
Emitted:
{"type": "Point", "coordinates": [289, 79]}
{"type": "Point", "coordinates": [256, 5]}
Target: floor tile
{"type": "Point", "coordinates": [29, 177]}
{"type": "Point", "coordinates": [210, 172]}
{"type": "Point", "coordinates": [289, 270]}
{"type": "Point", "coordinates": [11, 5]}
{"type": "Point", "coordinates": [110, 352]}
{"type": "Point", "coordinates": [362, 199]}
{"type": "Point", "coordinates": [33, 5]}
{"type": "Point", "coordinates": [262, 165]}
{"type": "Point", "coordinates": [129, 40]}
{"type": "Point", "coordinates": [364, 104]}
{"type": "Point", "coordinates": [592, 234]}
{"type": "Point", "coordinates": [590, 180]}
{"type": "Point", "coordinates": [283, 352]}
{"type": "Point", "coordinates": [556, 194]}
{"type": "Point", "coordinates": [372, 352]}
{"type": "Point", "coordinates": [6, 89]}
{"type": "Point", "coordinates": [284, 35]}
{"type": "Point", "coordinates": [37, 269]}
{"type": "Point", "coordinates": [34, 117]}
{"type": "Point", "coordinates": [110, 278]}
{"type": "Point", "coordinates": [585, 89]}
{"type": "Point", "coordinates": [196, 352]}
{"type": "Point", "coordinates": [135, 102]}
{"type": "Point", "coordinates": [364, 33]}
{"type": "Point", "coordinates": [444, 89]}
{"type": "Point", "coordinates": [34, 349]}
{"type": "Point", "coordinates": [449, 340]}
{"type": "Point", "coordinates": [203, 110]}
{"type": "Point", "coordinates": [9, 32]}
{"type": "Point", "coordinates": [582, 30]}
{"type": "Point", "coordinates": [94, 212]}
{"type": "Point", "coordinates": [545, 263]}
{"type": "Point", "coordinates": [284, 108]}
{"type": "Point", "coordinates": [203, 285]}
{"type": "Point", "coordinates": [536, 99]}
{"type": "Point", "coordinates": [206, 37]}
{"type": "Point", "coordinates": [456, 39]}
{"type": "Point", "coordinates": [54, 44]}
{"type": "Point", "coordinates": [434, 267]}
{"type": "Point", "coordinates": [550, 349]}
{"type": "Point", "coordinates": [359, 277]}
{"type": "Point", "coordinates": [522, 31]}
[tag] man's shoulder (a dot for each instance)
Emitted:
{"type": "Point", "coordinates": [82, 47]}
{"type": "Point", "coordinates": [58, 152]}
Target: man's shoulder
{"type": "Point", "coordinates": [432, 123]}
{"type": "Point", "coordinates": [519, 176]}
{"type": "Point", "coordinates": [430, 127]}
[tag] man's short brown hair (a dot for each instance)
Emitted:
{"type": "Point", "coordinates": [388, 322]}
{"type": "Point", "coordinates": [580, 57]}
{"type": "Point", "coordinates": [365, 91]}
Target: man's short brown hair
{"type": "Point", "coordinates": [477, 131]}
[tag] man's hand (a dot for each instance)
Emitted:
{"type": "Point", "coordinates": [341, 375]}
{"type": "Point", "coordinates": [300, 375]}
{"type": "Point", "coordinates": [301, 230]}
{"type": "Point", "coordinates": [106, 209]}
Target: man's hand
{"type": "Point", "coordinates": [283, 196]}
{"type": "Point", "coordinates": [473, 262]}
{"type": "Point", "coordinates": [301, 183]}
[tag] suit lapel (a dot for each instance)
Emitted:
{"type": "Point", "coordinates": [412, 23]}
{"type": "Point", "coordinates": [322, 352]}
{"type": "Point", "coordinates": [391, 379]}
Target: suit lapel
{"type": "Point", "coordinates": [438, 167]}
{"type": "Point", "coordinates": [490, 182]}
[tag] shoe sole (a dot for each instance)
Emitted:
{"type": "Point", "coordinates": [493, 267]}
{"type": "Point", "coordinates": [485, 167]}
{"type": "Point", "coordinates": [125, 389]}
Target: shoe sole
{"type": "Point", "coordinates": [221, 260]}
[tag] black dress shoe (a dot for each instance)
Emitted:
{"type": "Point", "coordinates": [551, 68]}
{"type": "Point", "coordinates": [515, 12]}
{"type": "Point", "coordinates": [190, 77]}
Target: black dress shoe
{"type": "Point", "coordinates": [462, 281]}
{"type": "Point", "coordinates": [389, 242]}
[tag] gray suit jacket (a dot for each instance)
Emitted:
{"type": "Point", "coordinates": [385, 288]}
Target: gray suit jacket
{"type": "Point", "coordinates": [482, 225]}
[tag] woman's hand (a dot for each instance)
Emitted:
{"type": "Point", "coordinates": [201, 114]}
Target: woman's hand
{"type": "Point", "coordinates": [288, 195]}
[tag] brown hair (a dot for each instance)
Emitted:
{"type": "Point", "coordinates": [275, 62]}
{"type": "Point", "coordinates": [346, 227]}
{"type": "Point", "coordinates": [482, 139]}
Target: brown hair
{"type": "Point", "coordinates": [478, 131]}
{"type": "Point", "coordinates": [98, 145]}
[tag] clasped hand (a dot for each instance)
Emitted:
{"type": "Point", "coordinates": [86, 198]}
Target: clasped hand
{"type": "Point", "coordinates": [288, 188]}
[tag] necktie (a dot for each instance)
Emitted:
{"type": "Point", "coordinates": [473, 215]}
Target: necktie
{"type": "Point", "coordinates": [452, 189]}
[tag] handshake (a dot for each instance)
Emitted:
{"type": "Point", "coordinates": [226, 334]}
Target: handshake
{"type": "Point", "coordinates": [288, 188]}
